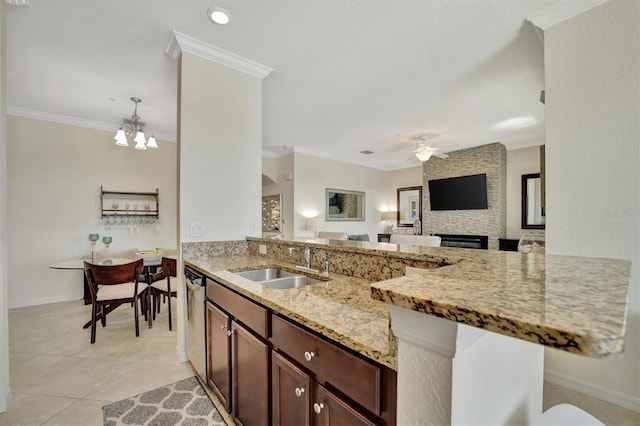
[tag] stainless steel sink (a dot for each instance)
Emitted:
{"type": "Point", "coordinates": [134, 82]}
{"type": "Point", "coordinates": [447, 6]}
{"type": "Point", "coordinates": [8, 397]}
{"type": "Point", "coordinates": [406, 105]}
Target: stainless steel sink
{"type": "Point", "coordinates": [265, 274]}
{"type": "Point", "coordinates": [277, 278]}
{"type": "Point", "coordinates": [295, 281]}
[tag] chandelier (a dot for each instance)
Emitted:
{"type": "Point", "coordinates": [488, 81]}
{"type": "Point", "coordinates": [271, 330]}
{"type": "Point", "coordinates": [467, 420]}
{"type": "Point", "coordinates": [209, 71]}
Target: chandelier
{"type": "Point", "coordinates": [134, 128]}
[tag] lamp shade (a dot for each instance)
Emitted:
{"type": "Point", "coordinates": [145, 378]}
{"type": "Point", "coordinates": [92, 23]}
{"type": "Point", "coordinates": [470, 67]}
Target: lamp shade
{"type": "Point", "coordinates": [140, 141]}
{"type": "Point", "coordinates": [389, 215]}
{"type": "Point", "coordinates": [312, 223]}
{"type": "Point", "coordinates": [152, 142]}
{"type": "Point", "coordinates": [121, 138]}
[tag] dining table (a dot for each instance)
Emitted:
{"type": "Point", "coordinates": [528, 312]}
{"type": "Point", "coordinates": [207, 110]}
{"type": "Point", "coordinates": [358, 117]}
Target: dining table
{"type": "Point", "coordinates": [151, 259]}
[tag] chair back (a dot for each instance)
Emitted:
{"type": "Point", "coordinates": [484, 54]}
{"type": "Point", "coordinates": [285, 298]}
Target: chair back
{"type": "Point", "coordinates": [98, 256]}
{"type": "Point", "coordinates": [169, 266]}
{"type": "Point", "coordinates": [416, 240]}
{"type": "Point", "coordinates": [113, 274]}
{"type": "Point", "coordinates": [332, 235]}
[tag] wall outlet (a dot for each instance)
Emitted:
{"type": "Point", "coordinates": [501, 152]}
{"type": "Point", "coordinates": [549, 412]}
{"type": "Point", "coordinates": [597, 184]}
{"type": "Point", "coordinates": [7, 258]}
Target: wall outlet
{"type": "Point", "coordinates": [262, 249]}
{"type": "Point", "coordinates": [253, 228]}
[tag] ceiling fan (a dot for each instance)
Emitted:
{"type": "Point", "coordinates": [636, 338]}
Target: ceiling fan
{"type": "Point", "coordinates": [423, 152]}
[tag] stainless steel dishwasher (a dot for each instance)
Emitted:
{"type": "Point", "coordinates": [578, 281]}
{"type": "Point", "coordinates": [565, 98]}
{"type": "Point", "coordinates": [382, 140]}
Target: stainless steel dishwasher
{"type": "Point", "coordinates": [196, 328]}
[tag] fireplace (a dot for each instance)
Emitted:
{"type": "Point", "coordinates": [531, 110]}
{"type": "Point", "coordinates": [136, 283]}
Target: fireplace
{"type": "Point", "coordinates": [464, 241]}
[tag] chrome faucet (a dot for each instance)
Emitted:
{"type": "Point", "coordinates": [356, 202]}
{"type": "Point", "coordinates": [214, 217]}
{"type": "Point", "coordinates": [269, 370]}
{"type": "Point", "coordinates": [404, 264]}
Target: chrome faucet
{"type": "Point", "coordinates": [307, 257]}
{"type": "Point", "coordinates": [325, 264]}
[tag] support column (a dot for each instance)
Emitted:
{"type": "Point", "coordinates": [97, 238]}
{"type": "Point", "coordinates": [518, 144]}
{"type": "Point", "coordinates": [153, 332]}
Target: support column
{"type": "Point", "coordinates": [450, 373]}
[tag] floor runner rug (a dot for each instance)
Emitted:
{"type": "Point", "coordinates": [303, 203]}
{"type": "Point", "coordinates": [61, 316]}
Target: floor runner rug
{"type": "Point", "coordinates": [182, 403]}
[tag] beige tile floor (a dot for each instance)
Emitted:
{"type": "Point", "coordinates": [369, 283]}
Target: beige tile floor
{"type": "Point", "coordinates": [59, 378]}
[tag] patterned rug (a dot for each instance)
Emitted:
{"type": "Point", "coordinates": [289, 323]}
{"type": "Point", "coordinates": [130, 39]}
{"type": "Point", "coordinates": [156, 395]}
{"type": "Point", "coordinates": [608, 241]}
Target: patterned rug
{"type": "Point", "coordinates": [181, 403]}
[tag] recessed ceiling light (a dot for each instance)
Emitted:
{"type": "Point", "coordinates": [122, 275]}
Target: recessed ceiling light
{"type": "Point", "coordinates": [219, 15]}
{"type": "Point", "coordinates": [516, 123]}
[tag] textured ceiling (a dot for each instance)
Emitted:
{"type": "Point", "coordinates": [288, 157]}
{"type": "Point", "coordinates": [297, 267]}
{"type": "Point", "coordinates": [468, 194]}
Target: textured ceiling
{"type": "Point", "coordinates": [349, 75]}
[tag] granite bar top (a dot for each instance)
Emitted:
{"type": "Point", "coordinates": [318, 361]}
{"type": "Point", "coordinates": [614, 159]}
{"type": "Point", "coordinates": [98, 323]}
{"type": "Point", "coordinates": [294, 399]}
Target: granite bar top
{"type": "Point", "coordinates": [340, 309]}
{"type": "Point", "coordinates": [575, 304]}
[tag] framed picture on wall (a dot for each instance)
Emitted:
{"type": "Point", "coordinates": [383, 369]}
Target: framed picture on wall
{"type": "Point", "coordinates": [343, 205]}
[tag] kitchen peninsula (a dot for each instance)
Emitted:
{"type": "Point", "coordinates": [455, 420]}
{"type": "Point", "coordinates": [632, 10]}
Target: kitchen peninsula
{"type": "Point", "coordinates": [488, 316]}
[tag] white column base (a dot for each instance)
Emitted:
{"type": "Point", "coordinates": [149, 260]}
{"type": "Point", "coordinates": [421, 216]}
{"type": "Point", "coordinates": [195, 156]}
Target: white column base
{"type": "Point", "coordinates": [449, 373]}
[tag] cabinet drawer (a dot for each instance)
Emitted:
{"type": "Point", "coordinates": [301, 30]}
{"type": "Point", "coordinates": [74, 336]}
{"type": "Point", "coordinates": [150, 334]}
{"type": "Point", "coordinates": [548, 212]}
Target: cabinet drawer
{"type": "Point", "coordinates": [353, 376]}
{"type": "Point", "coordinates": [243, 310]}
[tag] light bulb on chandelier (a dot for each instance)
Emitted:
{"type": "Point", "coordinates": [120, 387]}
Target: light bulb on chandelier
{"type": "Point", "coordinates": [134, 127]}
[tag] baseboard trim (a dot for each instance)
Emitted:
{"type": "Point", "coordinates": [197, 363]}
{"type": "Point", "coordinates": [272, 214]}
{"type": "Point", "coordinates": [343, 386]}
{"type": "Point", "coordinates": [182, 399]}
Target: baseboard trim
{"type": "Point", "coordinates": [182, 355]}
{"type": "Point", "coordinates": [45, 301]}
{"type": "Point", "coordinates": [618, 398]}
{"type": "Point", "coordinates": [4, 402]}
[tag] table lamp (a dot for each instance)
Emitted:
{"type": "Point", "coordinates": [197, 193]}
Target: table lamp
{"type": "Point", "coordinates": [93, 238]}
{"type": "Point", "coordinates": [389, 215]}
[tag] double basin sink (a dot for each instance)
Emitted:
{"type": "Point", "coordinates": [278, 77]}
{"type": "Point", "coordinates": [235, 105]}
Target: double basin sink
{"type": "Point", "coordinates": [277, 278]}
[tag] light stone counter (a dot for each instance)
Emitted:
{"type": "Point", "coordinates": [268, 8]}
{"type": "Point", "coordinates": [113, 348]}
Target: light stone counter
{"type": "Point", "coordinates": [341, 309]}
{"type": "Point", "coordinates": [575, 304]}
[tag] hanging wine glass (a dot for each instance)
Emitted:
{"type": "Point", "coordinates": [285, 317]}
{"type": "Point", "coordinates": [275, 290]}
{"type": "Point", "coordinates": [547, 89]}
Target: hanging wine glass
{"type": "Point", "coordinates": [107, 241]}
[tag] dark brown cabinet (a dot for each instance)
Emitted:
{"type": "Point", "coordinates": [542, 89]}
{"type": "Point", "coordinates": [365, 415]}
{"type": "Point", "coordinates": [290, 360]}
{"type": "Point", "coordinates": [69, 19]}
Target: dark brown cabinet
{"type": "Point", "coordinates": [330, 409]}
{"type": "Point", "coordinates": [250, 377]}
{"type": "Point", "coordinates": [291, 392]}
{"type": "Point", "coordinates": [269, 370]}
{"type": "Point", "coordinates": [219, 354]}
{"type": "Point", "coordinates": [237, 359]}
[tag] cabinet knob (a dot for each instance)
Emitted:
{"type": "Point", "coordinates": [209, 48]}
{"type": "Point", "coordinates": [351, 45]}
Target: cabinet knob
{"type": "Point", "coordinates": [308, 355]}
{"type": "Point", "coordinates": [230, 332]}
{"type": "Point", "coordinates": [317, 407]}
{"type": "Point", "coordinates": [299, 392]}
{"type": "Point", "coordinates": [222, 326]}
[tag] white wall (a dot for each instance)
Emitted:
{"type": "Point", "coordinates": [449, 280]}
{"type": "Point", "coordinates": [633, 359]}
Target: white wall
{"type": "Point", "coordinates": [279, 170]}
{"type": "Point", "coordinates": [592, 113]}
{"type": "Point", "coordinates": [54, 177]}
{"type": "Point", "coordinates": [314, 174]}
{"type": "Point", "coordinates": [4, 318]}
{"type": "Point", "coordinates": [519, 162]}
{"type": "Point", "coordinates": [220, 151]}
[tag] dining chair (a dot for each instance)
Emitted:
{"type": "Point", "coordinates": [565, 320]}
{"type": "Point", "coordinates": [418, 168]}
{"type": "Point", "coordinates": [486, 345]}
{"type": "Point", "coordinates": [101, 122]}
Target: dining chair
{"type": "Point", "coordinates": [166, 283]}
{"type": "Point", "coordinates": [111, 286]}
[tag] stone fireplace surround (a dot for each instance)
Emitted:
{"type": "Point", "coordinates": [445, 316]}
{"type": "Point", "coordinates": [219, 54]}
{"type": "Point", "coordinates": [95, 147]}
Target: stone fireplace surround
{"type": "Point", "coordinates": [490, 159]}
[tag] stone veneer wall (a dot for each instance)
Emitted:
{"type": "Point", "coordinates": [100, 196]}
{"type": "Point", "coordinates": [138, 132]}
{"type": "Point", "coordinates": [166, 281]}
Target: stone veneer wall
{"type": "Point", "coordinates": [490, 159]}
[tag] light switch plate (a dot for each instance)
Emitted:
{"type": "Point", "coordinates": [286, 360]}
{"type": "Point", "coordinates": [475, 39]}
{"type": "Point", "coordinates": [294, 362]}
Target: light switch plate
{"type": "Point", "coordinates": [196, 229]}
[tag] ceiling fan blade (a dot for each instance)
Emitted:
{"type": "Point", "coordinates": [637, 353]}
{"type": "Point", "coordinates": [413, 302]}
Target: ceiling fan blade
{"type": "Point", "coordinates": [439, 154]}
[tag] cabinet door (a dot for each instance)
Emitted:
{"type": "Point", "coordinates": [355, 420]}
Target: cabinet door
{"type": "Point", "coordinates": [219, 354]}
{"type": "Point", "coordinates": [329, 409]}
{"type": "Point", "coordinates": [291, 393]}
{"type": "Point", "coordinates": [250, 377]}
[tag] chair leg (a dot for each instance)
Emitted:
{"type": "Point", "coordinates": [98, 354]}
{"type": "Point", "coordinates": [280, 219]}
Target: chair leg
{"type": "Point", "coordinates": [104, 315]}
{"type": "Point", "coordinates": [169, 308]}
{"type": "Point", "coordinates": [135, 303]}
{"type": "Point", "coordinates": [94, 312]}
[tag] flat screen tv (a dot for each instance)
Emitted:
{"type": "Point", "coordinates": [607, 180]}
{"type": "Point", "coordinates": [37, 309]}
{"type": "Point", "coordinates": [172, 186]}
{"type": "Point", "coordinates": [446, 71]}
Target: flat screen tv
{"type": "Point", "coordinates": [459, 193]}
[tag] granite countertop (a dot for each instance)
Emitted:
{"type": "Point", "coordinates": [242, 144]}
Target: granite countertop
{"type": "Point", "coordinates": [340, 309]}
{"type": "Point", "coordinates": [575, 304]}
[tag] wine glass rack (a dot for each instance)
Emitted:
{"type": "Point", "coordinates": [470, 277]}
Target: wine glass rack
{"type": "Point", "coordinates": [130, 203]}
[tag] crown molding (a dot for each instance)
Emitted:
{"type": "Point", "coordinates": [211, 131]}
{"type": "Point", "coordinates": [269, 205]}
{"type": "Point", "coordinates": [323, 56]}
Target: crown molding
{"type": "Point", "coordinates": [179, 43]}
{"type": "Point", "coordinates": [73, 121]}
{"type": "Point", "coordinates": [560, 12]}
{"type": "Point", "coordinates": [18, 3]}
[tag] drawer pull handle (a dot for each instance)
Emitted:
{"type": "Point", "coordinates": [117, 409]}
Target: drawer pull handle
{"type": "Point", "coordinates": [308, 355]}
{"type": "Point", "coordinates": [317, 407]}
{"type": "Point", "coordinates": [299, 392]}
